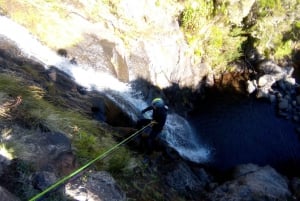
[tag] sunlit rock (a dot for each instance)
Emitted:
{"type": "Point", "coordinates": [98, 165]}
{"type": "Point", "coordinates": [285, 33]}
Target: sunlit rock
{"type": "Point", "coordinates": [238, 9]}
{"type": "Point", "coordinates": [266, 80]}
{"type": "Point", "coordinates": [252, 183]}
{"type": "Point", "coordinates": [251, 86]}
{"type": "Point", "coordinates": [98, 186]}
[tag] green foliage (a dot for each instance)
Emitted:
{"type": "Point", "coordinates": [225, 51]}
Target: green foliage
{"type": "Point", "coordinates": [269, 7]}
{"type": "Point", "coordinates": [269, 4]}
{"type": "Point", "coordinates": [294, 33]}
{"type": "Point", "coordinates": [89, 139]}
{"type": "Point", "coordinates": [275, 32]}
{"type": "Point", "coordinates": [196, 14]}
{"type": "Point", "coordinates": [209, 34]}
{"type": "Point", "coordinates": [119, 160]}
{"type": "Point", "coordinates": [157, 3]}
{"type": "Point", "coordinates": [142, 184]}
{"type": "Point", "coordinates": [283, 49]}
{"type": "Point", "coordinates": [297, 24]}
{"type": "Point", "coordinates": [87, 146]}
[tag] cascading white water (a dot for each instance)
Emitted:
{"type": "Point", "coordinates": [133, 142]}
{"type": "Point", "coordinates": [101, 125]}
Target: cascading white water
{"type": "Point", "coordinates": [179, 135]}
{"type": "Point", "coordinates": [177, 131]}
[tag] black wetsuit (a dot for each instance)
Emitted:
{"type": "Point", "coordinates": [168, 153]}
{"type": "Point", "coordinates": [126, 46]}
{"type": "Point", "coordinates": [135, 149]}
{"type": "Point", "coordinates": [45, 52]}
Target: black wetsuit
{"type": "Point", "coordinates": [159, 115]}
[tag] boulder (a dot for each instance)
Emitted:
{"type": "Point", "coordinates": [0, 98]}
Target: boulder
{"type": "Point", "coordinates": [295, 187]}
{"type": "Point", "coordinates": [98, 186]}
{"type": "Point", "coordinates": [4, 162]}
{"type": "Point", "coordinates": [251, 86]}
{"type": "Point", "coordinates": [39, 148]}
{"type": "Point", "coordinates": [184, 180]}
{"type": "Point", "coordinates": [298, 100]}
{"type": "Point", "coordinates": [5, 195]}
{"type": "Point", "coordinates": [251, 182]}
{"type": "Point", "coordinates": [239, 10]}
{"type": "Point", "coordinates": [43, 179]}
{"type": "Point", "coordinates": [266, 80]}
{"type": "Point", "coordinates": [283, 104]}
{"type": "Point", "coordinates": [269, 67]}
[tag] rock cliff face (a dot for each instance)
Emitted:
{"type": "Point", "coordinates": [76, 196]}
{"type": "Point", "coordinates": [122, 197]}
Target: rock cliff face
{"type": "Point", "coordinates": [251, 182]}
{"type": "Point", "coordinates": [154, 49]}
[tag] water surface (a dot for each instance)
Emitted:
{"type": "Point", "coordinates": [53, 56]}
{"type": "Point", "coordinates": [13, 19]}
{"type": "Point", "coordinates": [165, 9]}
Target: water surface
{"type": "Point", "coordinates": [245, 130]}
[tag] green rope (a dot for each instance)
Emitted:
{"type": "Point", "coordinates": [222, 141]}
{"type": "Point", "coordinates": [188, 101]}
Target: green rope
{"type": "Point", "coordinates": [101, 156]}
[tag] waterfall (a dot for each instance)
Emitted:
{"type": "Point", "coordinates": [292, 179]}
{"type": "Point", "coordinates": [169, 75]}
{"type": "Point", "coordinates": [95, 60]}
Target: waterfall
{"type": "Point", "coordinates": [177, 132]}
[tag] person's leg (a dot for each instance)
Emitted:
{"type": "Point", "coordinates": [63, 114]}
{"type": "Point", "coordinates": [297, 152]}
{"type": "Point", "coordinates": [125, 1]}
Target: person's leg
{"type": "Point", "coordinates": [143, 136]}
{"type": "Point", "coordinates": [151, 139]}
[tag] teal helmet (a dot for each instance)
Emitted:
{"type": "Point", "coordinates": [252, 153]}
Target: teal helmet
{"type": "Point", "coordinates": [158, 102]}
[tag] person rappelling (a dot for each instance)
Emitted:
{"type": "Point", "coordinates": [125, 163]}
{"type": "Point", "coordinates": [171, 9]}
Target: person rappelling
{"type": "Point", "coordinates": [159, 117]}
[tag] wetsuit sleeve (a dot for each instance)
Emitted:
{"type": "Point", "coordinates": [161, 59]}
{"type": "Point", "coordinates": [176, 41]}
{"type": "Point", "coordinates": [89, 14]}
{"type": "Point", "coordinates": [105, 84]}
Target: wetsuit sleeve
{"type": "Point", "coordinates": [147, 109]}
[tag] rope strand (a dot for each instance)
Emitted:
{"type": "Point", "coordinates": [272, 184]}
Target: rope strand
{"type": "Point", "coordinates": [101, 156]}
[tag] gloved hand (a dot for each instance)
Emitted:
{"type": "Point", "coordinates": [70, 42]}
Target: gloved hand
{"type": "Point", "coordinates": [153, 123]}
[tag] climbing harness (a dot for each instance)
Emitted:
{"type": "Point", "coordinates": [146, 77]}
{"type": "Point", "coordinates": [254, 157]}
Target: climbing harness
{"type": "Point", "coordinates": [101, 156]}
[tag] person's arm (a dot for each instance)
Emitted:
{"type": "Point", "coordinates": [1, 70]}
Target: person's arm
{"type": "Point", "coordinates": [147, 109]}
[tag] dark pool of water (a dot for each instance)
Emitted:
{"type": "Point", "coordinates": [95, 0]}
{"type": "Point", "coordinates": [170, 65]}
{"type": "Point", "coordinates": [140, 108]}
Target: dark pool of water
{"type": "Point", "coordinates": [243, 130]}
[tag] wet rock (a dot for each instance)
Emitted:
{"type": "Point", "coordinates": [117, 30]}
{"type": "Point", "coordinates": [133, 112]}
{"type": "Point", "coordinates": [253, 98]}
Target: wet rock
{"type": "Point", "coordinates": [183, 180]}
{"type": "Point", "coordinates": [43, 179]}
{"type": "Point", "coordinates": [283, 104]}
{"type": "Point", "coordinates": [17, 178]}
{"type": "Point", "coordinates": [104, 109]}
{"type": "Point", "coordinates": [296, 118]}
{"type": "Point", "coordinates": [99, 186]}
{"type": "Point", "coordinates": [269, 67]}
{"type": "Point", "coordinates": [295, 187]}
{"type": "Point", "coordinates": [253, 183]}
{"type": "Point", "coordinates": [244, 169]}
{"type": "Point", "coordinates": [298, 100]}
{"type": "Point", "coordinates": [273, 79]}
{"type": "Point", "coordinates": [5, 195]}
{"type": "Point", "coordinates": [4, 162]}
{"type": "Point", "coordinates": [203, 175]}
{"type": "Point", "coordinates": [272, 98]}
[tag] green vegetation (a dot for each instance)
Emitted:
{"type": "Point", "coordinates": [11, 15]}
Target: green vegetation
{"type": "Point", "coordinates": [89, 139]}
{"type": "Point", "coordinates": [142, 183]}
{"type": "Point", "coordinates": [208, 31]}
{"type": "Point", "coordinates": [216, 39]}
{"type": "Point", "coordinates": [41, 18]}
{"type": "Point", "coordinates": [269, 6]}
